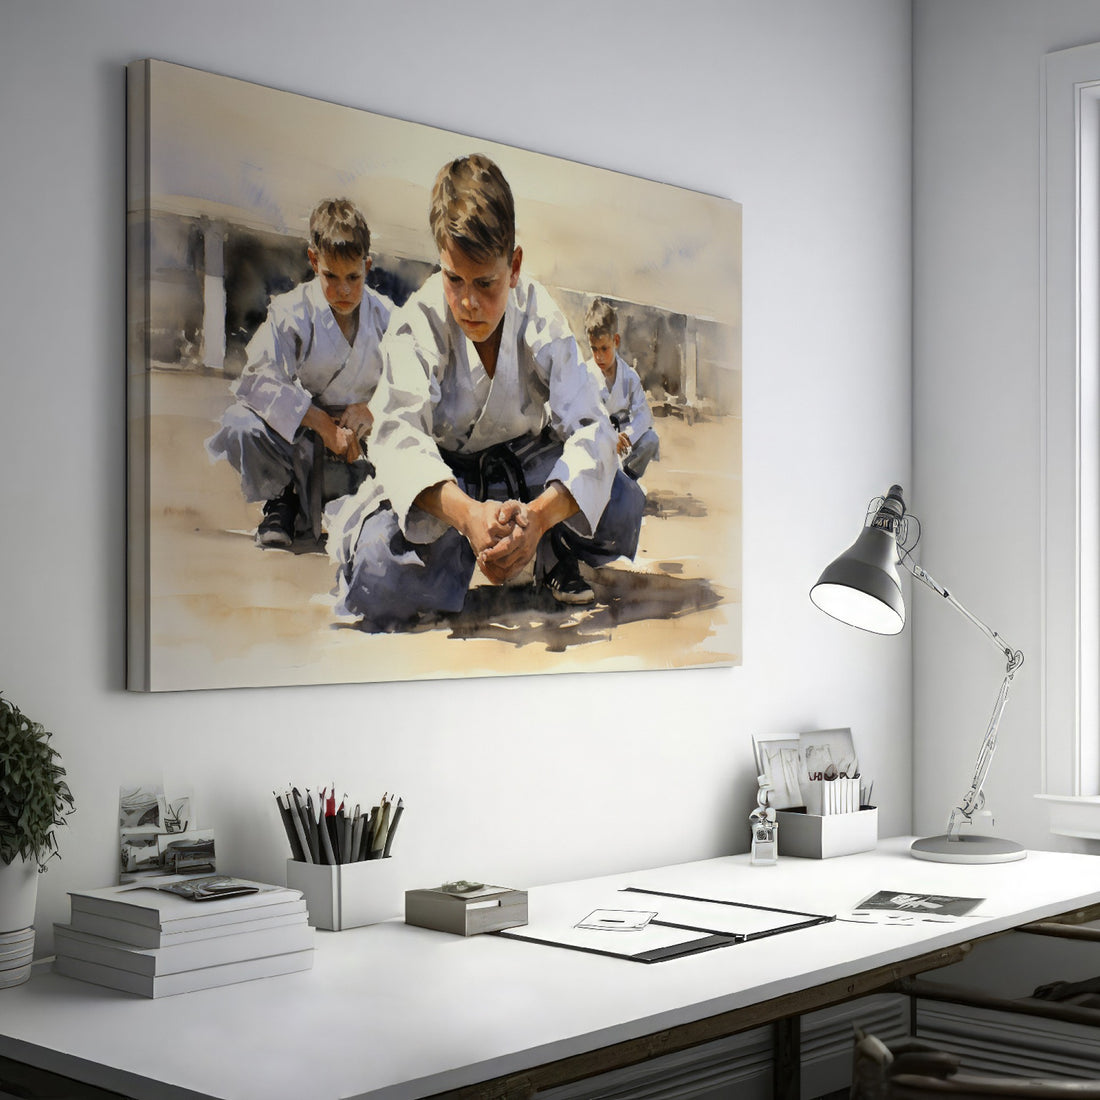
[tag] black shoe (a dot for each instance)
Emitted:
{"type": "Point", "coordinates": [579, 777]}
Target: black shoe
{"type": "Point", "coordinates": [567, 585]}
{"type": "Point", "coordinates": [276, 530]}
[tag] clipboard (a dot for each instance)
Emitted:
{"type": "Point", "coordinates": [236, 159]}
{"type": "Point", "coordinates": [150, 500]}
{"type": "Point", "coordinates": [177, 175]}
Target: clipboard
{"type": "Point", "coordinates": [685, 925]}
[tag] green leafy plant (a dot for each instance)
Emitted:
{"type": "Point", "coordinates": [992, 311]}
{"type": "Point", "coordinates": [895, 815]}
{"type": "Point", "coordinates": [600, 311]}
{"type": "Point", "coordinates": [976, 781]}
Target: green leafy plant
{"type": "Point", "coordinates": [34, 796]}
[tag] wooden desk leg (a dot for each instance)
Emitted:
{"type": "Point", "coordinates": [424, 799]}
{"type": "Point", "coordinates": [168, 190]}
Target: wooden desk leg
{"type": "Point", "coordinates": [787, 1058]}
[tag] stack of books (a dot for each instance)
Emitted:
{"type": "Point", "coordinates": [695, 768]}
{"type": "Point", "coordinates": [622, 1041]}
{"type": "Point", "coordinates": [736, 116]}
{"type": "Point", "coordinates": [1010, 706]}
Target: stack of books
{"type": "Point", "coordinates": [144, 938]}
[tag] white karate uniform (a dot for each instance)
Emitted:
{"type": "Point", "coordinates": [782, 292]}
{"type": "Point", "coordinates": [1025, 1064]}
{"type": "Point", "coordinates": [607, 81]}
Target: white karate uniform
{"type": "Point", "coordinates": [628, 407]}
{"type": "Point", "coordinates": [299, 357]}
{"type": "Point", "coordinates": [434, 394]}
{"type": "Point", "coordinates": [624, 399]}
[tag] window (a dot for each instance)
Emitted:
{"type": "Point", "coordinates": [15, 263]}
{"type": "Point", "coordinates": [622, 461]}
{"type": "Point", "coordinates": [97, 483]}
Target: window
{"type": "Point", "coordinates": [1070, 459]}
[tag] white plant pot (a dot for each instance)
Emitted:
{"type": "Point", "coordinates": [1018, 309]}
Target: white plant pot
{"type": "Point", "coordinates": [18, 894]}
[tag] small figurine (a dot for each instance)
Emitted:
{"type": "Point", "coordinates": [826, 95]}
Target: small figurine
{"type": "Point", "coordinates": [765, 828]}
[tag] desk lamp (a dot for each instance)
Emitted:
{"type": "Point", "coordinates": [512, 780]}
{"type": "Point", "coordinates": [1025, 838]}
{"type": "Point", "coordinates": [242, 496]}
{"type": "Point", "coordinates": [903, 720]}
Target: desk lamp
{"type": "Point", "coordinates": [862, 588]}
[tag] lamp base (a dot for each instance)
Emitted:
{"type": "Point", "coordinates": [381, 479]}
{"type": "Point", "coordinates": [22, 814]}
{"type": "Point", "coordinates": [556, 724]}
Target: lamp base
{"type": "Point", "coordinates": [967, 849]}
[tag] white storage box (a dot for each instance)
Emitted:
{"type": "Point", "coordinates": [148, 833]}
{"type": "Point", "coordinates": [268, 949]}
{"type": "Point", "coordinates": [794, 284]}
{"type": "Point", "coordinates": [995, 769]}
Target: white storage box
{"type": "Point", "coordinates": [819, 837]}
{"type": "Point", "coordinates": [349, 894]}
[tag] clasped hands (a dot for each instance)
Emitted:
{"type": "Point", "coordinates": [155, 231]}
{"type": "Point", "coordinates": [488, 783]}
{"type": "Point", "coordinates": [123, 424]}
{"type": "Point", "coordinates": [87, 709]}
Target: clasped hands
{"type": "Point", "coordinates": [344, 436]}
{"type": "Point", "coordinates": [504, 535]}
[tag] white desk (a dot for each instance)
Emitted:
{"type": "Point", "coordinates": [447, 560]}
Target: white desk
{"type": "Point", "coordinates": [393, 1011]}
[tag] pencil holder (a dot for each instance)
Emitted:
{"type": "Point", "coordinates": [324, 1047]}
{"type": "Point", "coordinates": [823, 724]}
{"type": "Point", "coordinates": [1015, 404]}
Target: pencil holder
{"type": "Point", "coordinates": [349, 895]}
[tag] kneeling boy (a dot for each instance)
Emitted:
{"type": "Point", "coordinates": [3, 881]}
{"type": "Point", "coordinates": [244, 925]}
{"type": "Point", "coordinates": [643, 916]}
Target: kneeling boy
{"type": "Point", "coordinates": [622, 391]}
{"type": "Point", "coordinates": [490, 442]}
{"type": "Point", "coordinates": [312, 368]}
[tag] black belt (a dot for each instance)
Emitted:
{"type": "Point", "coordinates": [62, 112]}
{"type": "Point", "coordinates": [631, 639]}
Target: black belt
{"type": "Point", "coordinates": [496, 465]}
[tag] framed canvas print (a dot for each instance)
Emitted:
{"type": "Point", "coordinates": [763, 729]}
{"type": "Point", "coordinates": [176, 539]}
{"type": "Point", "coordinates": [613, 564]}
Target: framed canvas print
{"type": "Point", "coordinates": [408, 404]}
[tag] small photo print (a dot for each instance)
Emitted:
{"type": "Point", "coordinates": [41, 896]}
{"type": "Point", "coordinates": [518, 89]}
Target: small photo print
{"type": "Point", "coordinates": [210, 888]}
{"type": "Point", "coordinates": [187, 853]}
{"type": "Point", "coordinates": [933, 905]}
{"type": "Point", "coordinates": [138, 852]}
{"type": "Point", "coordinates": [828, 754]}
{"type": "Point", "coordinates": [157, 834]}
{"type": "Point", "coordinates": [177, 815]}
{"type": "Point", "coordinates": [139, 807]}
{"type": "Point", "coordinates": [780, 762]}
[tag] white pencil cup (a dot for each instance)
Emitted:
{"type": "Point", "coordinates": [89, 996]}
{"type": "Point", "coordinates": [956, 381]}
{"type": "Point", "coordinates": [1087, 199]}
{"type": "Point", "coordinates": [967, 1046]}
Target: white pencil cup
{"type": "Point", "coordinates": [831, 796]}
{"type": "Point", "coordinates": [349, 895]}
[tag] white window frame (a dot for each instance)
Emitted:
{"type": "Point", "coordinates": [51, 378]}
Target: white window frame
{"type": "Point", "coordinates": [1070, 422]}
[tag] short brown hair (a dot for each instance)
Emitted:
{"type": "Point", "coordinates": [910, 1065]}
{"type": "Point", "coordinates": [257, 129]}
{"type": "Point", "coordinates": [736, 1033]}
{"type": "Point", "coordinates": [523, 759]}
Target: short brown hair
{"type": "Point", "coordinates": [472, 208]}
{"type": "Point", "coordinates": [336, 226]}
{"type": "Point", "coordinates": [600, 320]}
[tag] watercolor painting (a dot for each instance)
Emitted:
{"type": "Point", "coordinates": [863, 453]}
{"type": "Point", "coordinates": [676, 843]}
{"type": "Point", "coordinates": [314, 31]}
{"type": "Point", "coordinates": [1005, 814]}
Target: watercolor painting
{"type": "Point", "coordinates": [235, 572]}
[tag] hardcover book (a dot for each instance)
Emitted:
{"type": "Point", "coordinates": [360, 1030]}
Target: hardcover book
{"type": "Point", "coordinates": [185, 956]}
{"type": "Point", "coordinates": [141, 935]}
{"type": "Point", "coordinates": [148, 904]}
{"type": "Point", "coordinates": [168, 985]}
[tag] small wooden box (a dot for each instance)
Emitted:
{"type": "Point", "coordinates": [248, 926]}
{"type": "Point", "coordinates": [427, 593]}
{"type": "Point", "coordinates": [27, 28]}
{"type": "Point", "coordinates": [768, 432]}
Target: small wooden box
{"type": "Point", "coordinates": [821, 837]}
{"type": "Point", "coordinates": [347, 895]}
{"type": "Point", "coordinates": [485, 910]}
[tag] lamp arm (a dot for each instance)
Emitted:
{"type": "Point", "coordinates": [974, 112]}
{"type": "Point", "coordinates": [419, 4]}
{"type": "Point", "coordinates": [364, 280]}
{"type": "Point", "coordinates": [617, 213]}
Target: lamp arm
{"type": "Point", "coordinates": [1014, 657]}
{"type": "Point", "coordinates": [974, 799]}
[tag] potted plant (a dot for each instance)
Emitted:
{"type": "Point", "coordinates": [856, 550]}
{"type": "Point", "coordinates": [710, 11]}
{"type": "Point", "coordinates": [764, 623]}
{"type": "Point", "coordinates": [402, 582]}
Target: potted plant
{"type": "Point", "coordinates": [34, 800]}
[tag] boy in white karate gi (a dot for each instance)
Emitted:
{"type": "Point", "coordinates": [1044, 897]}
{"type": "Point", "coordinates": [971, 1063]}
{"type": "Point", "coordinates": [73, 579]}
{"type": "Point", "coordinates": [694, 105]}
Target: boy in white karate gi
{"type": "Point", "coordinates": [490, 442]}
{"type": "Point", "coordinates": [621, 390]}
{"type": "Point", "coordinates": [312, 368]}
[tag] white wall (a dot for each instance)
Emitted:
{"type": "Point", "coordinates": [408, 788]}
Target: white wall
{"type": "Point", "coordinates": [976, 407]}
{"type": "Point", "coordinates": [800, 110]}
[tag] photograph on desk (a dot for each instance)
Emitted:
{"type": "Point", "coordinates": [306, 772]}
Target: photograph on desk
{"type": "Point", "coordinates": [813, 800]}
{"type": "Point", "coordinates": [779, 764]}
{"type": "Point", "coordinates": [818, 769]}
{"type": "Point", "coordinates": [903, 907]}
{"type": "Point", "coordinates": [157, 835]}
{"type": "Point", "coordinates": [410, 404]}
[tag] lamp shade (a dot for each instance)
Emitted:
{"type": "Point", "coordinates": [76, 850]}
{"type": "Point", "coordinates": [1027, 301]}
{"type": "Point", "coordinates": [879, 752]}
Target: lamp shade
{"type": "Point", "coordinates": [862, 587]}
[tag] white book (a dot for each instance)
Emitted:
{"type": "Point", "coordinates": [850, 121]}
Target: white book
{"type": "Point", "coordinates": [184, 956]}
{"type": "Point", "coordinates": [144, 903]}
{"type": "Point", "coordinates": [168, 985]}
{"type": "Point", "coordinates": [140, 935]}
